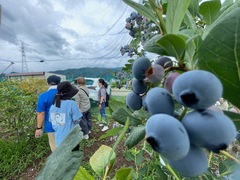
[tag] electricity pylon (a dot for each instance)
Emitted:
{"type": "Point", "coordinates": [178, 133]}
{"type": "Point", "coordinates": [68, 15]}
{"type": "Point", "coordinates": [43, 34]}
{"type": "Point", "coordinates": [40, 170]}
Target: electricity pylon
{"type": "Point", "coordinates": [24, 62]}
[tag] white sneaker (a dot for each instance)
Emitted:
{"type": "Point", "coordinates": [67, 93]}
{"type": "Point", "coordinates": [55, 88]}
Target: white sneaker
{"type": "Point", "coordinates": [101, 125]}
{"type": "Point", "coordinates": [86, 136]}
{"type": "Point", "coordinates": [105, 128]}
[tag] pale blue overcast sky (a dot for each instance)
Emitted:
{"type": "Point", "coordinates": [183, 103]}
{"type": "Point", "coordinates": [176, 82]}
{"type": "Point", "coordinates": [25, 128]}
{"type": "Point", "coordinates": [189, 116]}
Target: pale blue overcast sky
{"type": "Point", "coordinates": [63, 33]}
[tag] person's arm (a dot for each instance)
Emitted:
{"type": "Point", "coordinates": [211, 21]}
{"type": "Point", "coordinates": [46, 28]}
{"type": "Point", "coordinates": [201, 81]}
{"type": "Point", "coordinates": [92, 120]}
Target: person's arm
{"type": "Point", "coordinates": [40, 119]}
{"type": "Point", "coordinates": [101, 101]}
{"type": "Point", "coordinates": [77, 114]}
{"type": "Point", "coordinates": [78, 99]}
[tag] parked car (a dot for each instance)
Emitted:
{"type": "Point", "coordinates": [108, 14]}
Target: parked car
{"type": "Point", "coordinates": [92, 85]}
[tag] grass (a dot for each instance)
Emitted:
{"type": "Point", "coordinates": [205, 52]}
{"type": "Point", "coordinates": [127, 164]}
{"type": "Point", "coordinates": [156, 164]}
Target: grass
{"type": "Point", "coordinates": [17, 156]}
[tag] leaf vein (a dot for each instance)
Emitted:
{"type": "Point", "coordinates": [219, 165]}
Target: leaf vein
{"type": "Point", "coordinates": [236, 50]}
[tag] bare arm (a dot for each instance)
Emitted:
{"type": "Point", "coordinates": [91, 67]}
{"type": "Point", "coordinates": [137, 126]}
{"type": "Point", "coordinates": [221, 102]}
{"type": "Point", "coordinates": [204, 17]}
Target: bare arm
{"type": "Point", "coordinates": [40, 119]}
{"type": "Point", "coordinates": [101, 101]}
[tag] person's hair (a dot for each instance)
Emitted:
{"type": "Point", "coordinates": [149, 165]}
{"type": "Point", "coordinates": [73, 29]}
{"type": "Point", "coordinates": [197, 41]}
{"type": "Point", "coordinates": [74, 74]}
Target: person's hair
{"type": "Point", "coordinates": [103, 82]}
{"type": "Point", "coordinates": [81, 80]}
{"type": "Point", "coordinates": [53, 80]}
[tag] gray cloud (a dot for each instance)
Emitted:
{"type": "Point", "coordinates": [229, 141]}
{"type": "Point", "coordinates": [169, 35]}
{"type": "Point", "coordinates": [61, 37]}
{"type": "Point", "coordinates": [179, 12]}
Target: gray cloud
{"type": "Point", "coordinates": [65, 34]}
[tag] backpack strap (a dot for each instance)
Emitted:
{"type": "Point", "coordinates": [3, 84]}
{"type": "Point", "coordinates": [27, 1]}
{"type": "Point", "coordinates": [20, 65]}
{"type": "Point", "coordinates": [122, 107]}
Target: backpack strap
{"type": "Point", "coordinates": [84, 91]}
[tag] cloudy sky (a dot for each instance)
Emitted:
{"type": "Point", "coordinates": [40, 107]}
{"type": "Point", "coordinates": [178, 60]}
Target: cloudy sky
{"type": "Point", "coordinates": [62, 34]}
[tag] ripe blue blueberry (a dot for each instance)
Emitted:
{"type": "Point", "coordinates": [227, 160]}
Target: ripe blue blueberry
{"type": "Point", "coordinates": [193, 164]}
{"type": "Point", "coordinates": [159, 100]}
{"type": "Point", "coordinates": [164, 61]}
{"type": "Point", "coordinates": [197, 89]}
{"type": "Point", "coordinates": [210, 129]}
{"type": "Point", "coordinates": [167, 136]}
{"type": "Point", "coordinates": [138, 86]}
{"type": "Point", "coordinates": [133, 101]}
{"type": "Point", "coordinates": [139, 67]}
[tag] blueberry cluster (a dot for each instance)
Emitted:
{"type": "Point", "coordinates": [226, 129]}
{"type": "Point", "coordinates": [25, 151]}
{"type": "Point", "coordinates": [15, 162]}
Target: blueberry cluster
{"type": "Point", "coordinates": [133, 22]}
{"type": "Point", "coordinates": [139, 25]}
{"type": "Point", "coordinates": [129, 50]}
{"type": "Point", "coordinates": [145, 75]}
{"type": "Point", "coordinates": [139, 28]}
{"type": "Point", "coordinates": [181, 139]}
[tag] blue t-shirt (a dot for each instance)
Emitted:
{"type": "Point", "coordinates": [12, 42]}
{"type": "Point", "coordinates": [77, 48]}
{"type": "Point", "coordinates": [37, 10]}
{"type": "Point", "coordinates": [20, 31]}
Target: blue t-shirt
{"type": "Point", "coordinates": [64, 119]}
{"type": "Point", "coordinates": [44, 104]}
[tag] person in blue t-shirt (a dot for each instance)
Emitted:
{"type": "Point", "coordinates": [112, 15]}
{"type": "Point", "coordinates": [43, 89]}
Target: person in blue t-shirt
{"type": "Point", "coordinates": [64, 112]}
{"type": "Point", "coordinates": [43, 105]}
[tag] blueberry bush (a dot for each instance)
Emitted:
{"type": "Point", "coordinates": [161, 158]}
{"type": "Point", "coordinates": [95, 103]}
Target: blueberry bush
{"type": "Point", "coordinates": [18, 147]}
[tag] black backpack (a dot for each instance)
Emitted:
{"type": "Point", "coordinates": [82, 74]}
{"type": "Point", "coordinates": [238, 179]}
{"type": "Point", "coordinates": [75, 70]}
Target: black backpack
{"type": "Point", "coordinates": [107, 99]}
{"type": "Point", "coordinates": [107, 95]}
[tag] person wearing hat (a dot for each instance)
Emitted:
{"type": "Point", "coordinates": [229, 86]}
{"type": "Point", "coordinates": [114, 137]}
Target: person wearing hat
{"type": "Point", "coordinates": [64, 112]}
{"type": "Point", "coordinates": [43, 105]}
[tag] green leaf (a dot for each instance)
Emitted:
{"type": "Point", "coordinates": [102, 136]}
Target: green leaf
{"type": "Point", "coordinates": [99, 159]}
{"type": "Point", "coordinates": [219, 54]}
{"type": "Point", "coordinates": [144, 170]}
{"type": "Point", "coordinates": [129, 155]}
{"type": "Point", "coordinates": [173, 45]}
{"type": "Point", "coordinates": [224, 12]}
{"type": "Point", "coordinates": [227, 2]}
{"type": "Point", "coordinates": [139, 157]}
{"type": "Point", "coordinates": [64, 163]}
{"type": "Point", "coordinates": [194, 8]}
{"type": "Point", "coordinates": [191, 46]}
{"type": "Point", "coordinates": [124, 174]}
{"type": "Point", "coordinates": [127, 67]}
{"type": "Point", "coordinates": [176, 10]}
{"type": "Point", "coordinates": [161, 172]}
{"type": "Point", "coordinates": [141, 9]}
{"type": "Point", "coordinates": [152, 47]}
{"type": "Point", "coordinates": [235, 118]}
{"type": "Point", "coordinates": [117, 103]}
{"type": "Point", "coordinates": [210, 10]}
{"type": "Point", "coordinates": [225, 165]}
{"type": "Point", "coordinates": [142, 114]}
{"type": "Point", "coordinates": [83, 174]}
{"type": "Point", "coordinates": [131, 61]}
{"type": "Point", "coordinates": [190, 21]}
{"type": "Point", "coordinates": [208, 176]}
{"type": "Point", "coordinates": [190, 52]}
{"type": "Point", "coordinates": [137, 134]}
{"type": "Point", "coordinates": [111, 132]}
{"type": "Point", "coordinates": [120, 115]}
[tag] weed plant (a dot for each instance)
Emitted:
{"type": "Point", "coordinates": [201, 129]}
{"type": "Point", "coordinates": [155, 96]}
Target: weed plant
{"type": "Point", "coordinates": [17, 156]}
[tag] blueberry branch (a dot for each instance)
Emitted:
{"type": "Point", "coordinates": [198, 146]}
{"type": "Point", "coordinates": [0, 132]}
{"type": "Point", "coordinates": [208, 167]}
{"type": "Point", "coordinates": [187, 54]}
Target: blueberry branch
{"type": "Point", "coordinates": [183, 113]}
{"type": "Point", "coordinates": [230, 156]}
{"type": "Point", "coordinates": [171, 170]}
{"type": "Point", "coordinates": [158, 9]}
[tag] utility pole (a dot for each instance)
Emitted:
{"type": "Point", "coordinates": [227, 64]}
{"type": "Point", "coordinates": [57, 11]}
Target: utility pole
{"type": "Point", "coordinates": [24, 62]}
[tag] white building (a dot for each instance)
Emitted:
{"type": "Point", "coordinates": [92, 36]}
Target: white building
{"type": "Point", "coordinates": [35, 75]}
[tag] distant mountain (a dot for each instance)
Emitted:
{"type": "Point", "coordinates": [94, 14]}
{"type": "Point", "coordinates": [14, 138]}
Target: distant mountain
{"type": "Point", "coordinates": [105, 73]}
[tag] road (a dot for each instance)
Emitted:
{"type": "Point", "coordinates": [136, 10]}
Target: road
{"type": "Point", "coordinates": [120, 92]}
